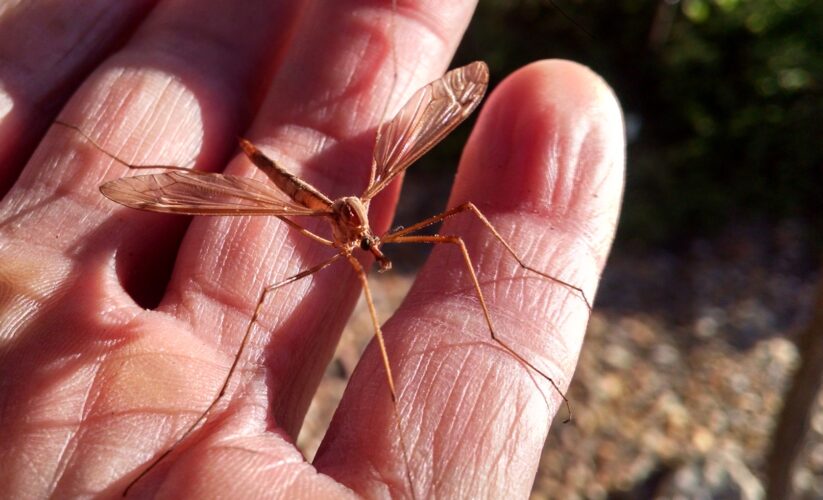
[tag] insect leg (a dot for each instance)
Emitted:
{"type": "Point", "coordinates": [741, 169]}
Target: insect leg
{"type": "Point", "coordinates": [234, 365]}
{"type": "Point", "coordinates": [458, 241]}
{"type": "Point", "coordinates": [115, 158]}
{"type": "Point", "coordinates": [305, 232]}
{"type": "Point", "coordinates": [361, 274]}
{"type": "Point", "coordinates": [378, 333]}
{"type": "Point", "coordinates": [470, 207]}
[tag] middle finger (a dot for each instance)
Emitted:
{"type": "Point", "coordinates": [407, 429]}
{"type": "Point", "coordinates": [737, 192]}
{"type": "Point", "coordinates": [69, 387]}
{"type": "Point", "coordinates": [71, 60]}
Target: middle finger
{"type": "Point", "coordinates": [318, 121]}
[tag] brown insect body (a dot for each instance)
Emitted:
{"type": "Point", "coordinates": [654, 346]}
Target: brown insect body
{"type": "Point", "coordinates": [297, 189]}
{"type": "Point", "coordinates": [348, 216]}
{"type": "Point", "coordinates": [350, 229]}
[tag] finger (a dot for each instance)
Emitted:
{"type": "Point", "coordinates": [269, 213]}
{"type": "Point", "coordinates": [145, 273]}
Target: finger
{"type": "Point", "coordinates": [545, 164]}
{"type": "Point", "coordinates": [184, 85]}
{"type": "Point", "coordinates": [318, 122]}
{"type": "Point", "coordinates": [46, 48]}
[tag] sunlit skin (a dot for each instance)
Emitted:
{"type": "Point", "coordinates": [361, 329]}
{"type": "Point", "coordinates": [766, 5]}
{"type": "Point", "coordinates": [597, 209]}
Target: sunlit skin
{"type": "Point", "coordinates": [93, 386]}
{"type": "Point", "coordinates": [428, 116]}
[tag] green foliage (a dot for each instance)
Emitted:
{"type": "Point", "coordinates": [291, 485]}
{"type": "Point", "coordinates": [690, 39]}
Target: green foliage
{"type": "Point", "coordinates": [724, 96]}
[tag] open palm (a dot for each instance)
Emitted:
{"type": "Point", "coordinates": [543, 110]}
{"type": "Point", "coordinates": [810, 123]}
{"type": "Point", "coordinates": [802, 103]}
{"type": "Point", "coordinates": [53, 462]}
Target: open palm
{"type": "Point", "coordinates": [93, 386]}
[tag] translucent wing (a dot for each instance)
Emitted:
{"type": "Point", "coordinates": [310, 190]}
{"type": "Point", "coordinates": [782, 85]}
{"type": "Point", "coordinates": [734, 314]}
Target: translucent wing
{"type": "Point", "coordinates": [431, 113]}
{"type": "Point", "coordinates": [199, 193]}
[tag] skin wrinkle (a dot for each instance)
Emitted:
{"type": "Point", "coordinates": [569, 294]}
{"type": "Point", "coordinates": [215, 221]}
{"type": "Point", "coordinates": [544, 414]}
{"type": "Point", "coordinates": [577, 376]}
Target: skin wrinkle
{"type": "Point", "coordinates": [568, 187]}
{"type": "Point", "coordinates": [505, 465]}
{"type": "Point", "coordinates": [429, 396]}
{"type": "Point", "coordinates": [262, 275]}
{"type": "Point", "coordinates": [56, 424]}
{"type": "Point", "coordinates": [195, 319]}
{"type": "Point", "coordinates": [500, 452]}
{"type": "Point", "coordinates": [32, 212]}
{"type": "Point", "coordinates": [356, 69]}
{"type": "Point", "coordinates": [167, 383]}
{"type": "Point", "coordinates": [469, 305]}
{"type": "Point", "coordinates": [514, 222]}
{"type": "Point", "coordinates": [358, 111]}
{"type": "Point", "coordinates": [323, 129]}
{"type": "Point", "coordinates": [169, 90]}
{"type": "Point", "coordinates": [66, 469]}
{"type": "Point", "coordinates": [107, 102]}
{"type": "Point", "coordinates": [93, 393]}
{"type": "Point", "coordinates": [453, 389]}
{"type": "Point", "coordinates": [529, 223]}
{"type": "Point", "coordinates": [64, 456]}
{"type": "Point", "coordinates": [461, 435]}
{"type": "Point", "coordinates": [547, 130]}
{"type": "Point", "coordinates": [414, 15]}
{"type": "Point", "coordinates": [182, 43]}
{"type": "Point", "coordinates": [419, 396]}
{"type": "Point", "coordinates": [507, 274]}
{"type": "Point", "coordinates": [553, 175]}
{"type": "Point", "coordinates": [420, 16]}
{"type": "Point", "coordinates": [232, 232]}
{"type": "Point", "coordinates": [477, 456]}
{"type": "Point", "coordinates": [232, 245]}
{"type": "Point", "coordinates": [424, 398]}
{"type": "Point", "coordinates": [36, 469]}
{"type": "Point", "coordinates": [585, 152]}
{"type": "Point", "coordinates": [492, 371]}
{"type": "Point", "coordinates": [125, 104]}
{"type": "Point", "coordinates": [549, 339]}
{"type": "Point", "coordinates": [470, 399]}
{"type": "Point", "coordinates": [554, 366]}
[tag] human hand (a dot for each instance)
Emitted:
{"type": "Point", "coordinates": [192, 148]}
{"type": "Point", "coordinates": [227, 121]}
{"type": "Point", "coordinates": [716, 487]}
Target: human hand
{"type": "Point", "coordinates": [93, 386]}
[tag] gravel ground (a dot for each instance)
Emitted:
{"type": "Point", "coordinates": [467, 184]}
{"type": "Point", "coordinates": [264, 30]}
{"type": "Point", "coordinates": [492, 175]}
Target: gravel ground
{"type": "Point", "coordinates": [680, 379]}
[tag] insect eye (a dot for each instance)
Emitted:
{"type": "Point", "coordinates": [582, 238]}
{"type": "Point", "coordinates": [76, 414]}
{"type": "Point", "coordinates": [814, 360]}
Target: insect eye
{"type": "Point", "coordinates": [365, 244]}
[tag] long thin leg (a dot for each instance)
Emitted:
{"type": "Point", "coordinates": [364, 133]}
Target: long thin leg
{"type": "Point", "coordinates": [470, 207]}
{"type": "Point", "coordinates": [235, 363]}
{"type": "Point", "coordinates": [458, 241]}
{"type": "Point", "coordinates": [115, 158]}
{"type": "Point", "coordinates": [378, 333]}
{"type": "Point", "coordinates": [305, 232]}
{"type": "Point", "coordinates": [361, 274]}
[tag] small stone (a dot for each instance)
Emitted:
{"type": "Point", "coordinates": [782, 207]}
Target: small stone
{"type": "Point", "coordinates": [703, 440]}
{"type": "Point", "coordinates": [618, 356]}
{"type": "Point", "coordinates": [706, 327]}
{"type": "Point", "coordinates": [665, 354]}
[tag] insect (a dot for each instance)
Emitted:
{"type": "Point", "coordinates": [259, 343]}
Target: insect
{"type": "Point", "coordinates": [430, 114]}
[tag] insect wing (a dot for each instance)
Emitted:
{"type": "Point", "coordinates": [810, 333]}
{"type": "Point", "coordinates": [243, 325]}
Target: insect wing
{"type": "Point", "coordinates": [431, 113]}
{"type": "Point", "coordinates": [199, 193]}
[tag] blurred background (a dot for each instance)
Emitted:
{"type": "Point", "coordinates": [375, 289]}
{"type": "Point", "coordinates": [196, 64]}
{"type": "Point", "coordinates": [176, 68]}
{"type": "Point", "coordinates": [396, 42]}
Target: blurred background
{"type": "Point", "coordinates": [708, 320]}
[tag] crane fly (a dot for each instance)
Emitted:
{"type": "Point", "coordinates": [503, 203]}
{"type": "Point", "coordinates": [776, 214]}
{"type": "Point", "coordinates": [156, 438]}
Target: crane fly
{"type": "Point", "coordinates": [430, 114]}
